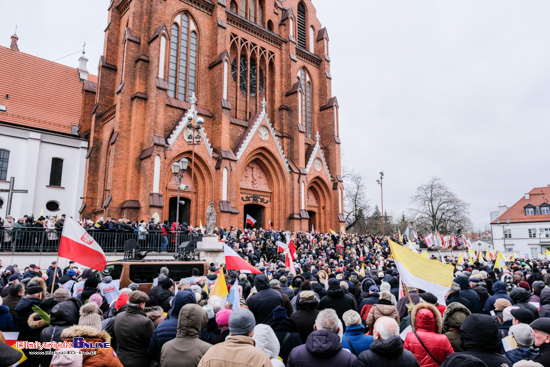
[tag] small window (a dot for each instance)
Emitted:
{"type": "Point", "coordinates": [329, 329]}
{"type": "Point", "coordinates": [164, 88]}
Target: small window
{"type": "Point", "coordinates": [302, 25]}
{"type": "Point", "coordinates": [534, 252]}
{"type": "Point", "coordinates": [1, 203]}
{"type": "Point", "coordinates": [56, 172]}
{"type": "Point", "coordinates": [270, 25]}
{"type": "Point", "coordinates": [4, 160]}
{"type": "Point", "coordinates": [507, 233]}
{"type": "Point", "coordinates": [532, 232]}
{"type": "Point", "coordinates": [52, 206]}
{"type": "Point", "coordinates": [509, 249]}
{"type": "Point", "coordinates": [233, 6]}
{"type": "Point", "coordinates": [529, 211]}
{"type": "Point", "coordinates": [544, 210]}
{"type": "Point", "coordinates": [547, 232]}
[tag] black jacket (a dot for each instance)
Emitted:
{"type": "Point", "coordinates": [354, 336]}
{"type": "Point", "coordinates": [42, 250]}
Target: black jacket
{"type": "Point", "coordinates": [287, 333]}
{"type": "Point", "coordinates": [265, 301]}
{"type": "Point", "coordinates": [468, 293]}
{"type": "Point", "coordinates": [480, 339]}
{"type": "Point", "coordinates": [22, 312]}
{"type": "Point", "coordinates": [338, 300]}
{"type": "Point", "coordinates": [304, 317]}
{"type": "Point", "coordinates": [544, 355]}
{"type": "Point", "coordinates": [323, 348]}
{"type": "Point", "coordinates": [387, 353]}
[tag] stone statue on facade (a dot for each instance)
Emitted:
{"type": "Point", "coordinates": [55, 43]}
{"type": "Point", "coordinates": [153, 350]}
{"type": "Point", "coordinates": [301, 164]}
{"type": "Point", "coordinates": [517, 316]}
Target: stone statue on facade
{"type": "Point", "coordinates": [210, 220]}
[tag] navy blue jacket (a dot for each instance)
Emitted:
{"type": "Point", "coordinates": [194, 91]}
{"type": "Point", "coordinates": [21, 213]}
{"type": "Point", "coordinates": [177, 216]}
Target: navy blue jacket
{"type": "Point", "coordinates": [499, 291]}
{"type": "Point", "coordinates": [322, 348]}
{"type": "Point", "coordinates": [468, 293]}
{"type": "Point", "coordinates": [6, 321]}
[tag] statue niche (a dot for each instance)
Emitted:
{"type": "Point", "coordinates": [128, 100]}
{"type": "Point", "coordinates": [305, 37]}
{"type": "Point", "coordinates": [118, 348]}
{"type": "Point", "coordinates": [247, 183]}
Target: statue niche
{"type": "Point", "coordinates": [254, 177]}
{"type": "Point", "coordinates": [311, 199]}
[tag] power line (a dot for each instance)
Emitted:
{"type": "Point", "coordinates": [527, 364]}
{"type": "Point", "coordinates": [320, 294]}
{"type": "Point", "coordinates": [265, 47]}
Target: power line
{"type": "Point", "coordinates": [82, 49]}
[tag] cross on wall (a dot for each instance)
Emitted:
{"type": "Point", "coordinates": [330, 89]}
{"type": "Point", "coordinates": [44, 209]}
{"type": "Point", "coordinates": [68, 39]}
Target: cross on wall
{"type": "Point", "coordinates": [11, 190]}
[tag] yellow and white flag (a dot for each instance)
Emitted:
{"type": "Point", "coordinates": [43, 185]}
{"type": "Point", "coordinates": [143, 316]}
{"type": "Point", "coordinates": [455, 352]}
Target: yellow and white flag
{"type": "Point", "coordinates": [472, 255]}
{"type": "Point", "coordinates": [417, 271]}
{"type": "Point", "coordinates": [501, 260]}
{"type": "Point", "coordinates": [460, 259]}
{"type": "Point", "coordinates": [425, 255]}
{"type": "Point", "coordinates": [547, 254]}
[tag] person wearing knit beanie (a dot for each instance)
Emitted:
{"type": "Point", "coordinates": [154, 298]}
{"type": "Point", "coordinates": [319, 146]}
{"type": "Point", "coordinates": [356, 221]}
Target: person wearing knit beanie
{"type": "Point", "coordinates": [501, 304]}
{"type": "Point", "coordinates": [241, 322]}
{"type": "Point", "coordinates": [89, 316]}
{"type": "Point", "coordinates": [121, 301]}
{"type": "Point", "coordinates": [61, 295]}
{"type": "Point", "coordinates": [67, 357]}
{"type": "Point", "coordinates": [523, 284]}
{"type": "Point", "coordinates": [91, 283]}
{"type": "Point", "coordinates": [96, 297]}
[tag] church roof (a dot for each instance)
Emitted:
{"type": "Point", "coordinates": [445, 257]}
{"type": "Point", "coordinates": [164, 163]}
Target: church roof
{"type": "Point", "coordinates": [39, 93]}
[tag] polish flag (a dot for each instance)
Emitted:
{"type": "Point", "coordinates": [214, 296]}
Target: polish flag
{"type": "Point", "coordinates": [269, 225]}
{"type": "Point", "coordinates": [289, 245]}
{"type": "Point", "coordinates": [429, 239]}
{"type": "Point", "coordinates": [76, 244]}
{"type": "Point", "coordinates": [234, 262]}
{"type": "Point", "coordinates": [289, 264]}
{"type": "Point", "coordinates": [250, 220]}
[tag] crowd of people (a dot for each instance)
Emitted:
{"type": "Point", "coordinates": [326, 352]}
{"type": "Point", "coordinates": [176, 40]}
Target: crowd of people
{"type": "Point", "coordinates": [344, 307]}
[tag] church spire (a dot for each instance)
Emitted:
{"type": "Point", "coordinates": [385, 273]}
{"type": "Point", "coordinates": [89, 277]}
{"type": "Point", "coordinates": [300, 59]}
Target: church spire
{"type": "Point", "coordinates": [14, 40]}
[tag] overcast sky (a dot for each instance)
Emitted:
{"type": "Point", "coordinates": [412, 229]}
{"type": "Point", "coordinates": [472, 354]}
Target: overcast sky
{"type": "Point", "coordinates": [458, 89]}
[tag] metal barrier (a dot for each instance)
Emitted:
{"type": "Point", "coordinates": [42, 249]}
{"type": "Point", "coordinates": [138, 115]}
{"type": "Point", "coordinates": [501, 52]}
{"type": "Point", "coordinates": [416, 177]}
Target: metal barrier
{"type": "Point", "coordinates": [37, 239]}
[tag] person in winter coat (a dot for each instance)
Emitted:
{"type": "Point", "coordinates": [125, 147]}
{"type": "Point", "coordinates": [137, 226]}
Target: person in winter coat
{"type": "Point", "coordinates": [68, 280]}
{"type": "Point", "coordinates": [168, 329]}
{"type": "Point", "coordinates": [520, 298]}
{"type": "Point", "coordinates": [426, 336]}
{"type": "Point", "coordinates": [453, 296]}
{"type": "Point", "coordinates": [384, 307]}
{"type": "Point", "coordinates": [93, 357]}
{"type": "Point", "coordinates": [468, 293]}
{"type": "Point", "coordinates": [63, 316]}
{"type": "Point", "coordinates": [17, 291]}
{"type": "Point", "coordinates": [372, 298]}
{"type": "Point", "coordinates": [162, 294]}
{"type": "Point", "coordinates": [133, 330]}
{"type": "Point", "coordinates": [413, 298]}
{"type": "Point", "coordinates": [238, 349]}
{"type": "Point", "coordinates": [463, 360]}
{"type": "Point", "coordinates": [480, 339]}
{"type": "Point", "coordinates": [354, 339]}
{"type": "Point", "coordinates": [323, 346]}
{"type": "Point", "coordinates": [337, 299]}
{"type": "Point", "coordinates": [523, 334]}
{"type": "Point", "coordinates": [91, 287]}
{"type": "Point", "coordinates": [499, 291]}
{"type": "Point", "coordinates": [544, 310]}
{"type": "Point", "coordinates": [284, 288]}
{"type": "Point", "coordinates": [306, 313]}
{"type": "Point", "coordinates": [186, 350]}
{"type": "Point", "coordinates": [538, 286]}
{"type": "Point", "coordinates": [286, 332]}
{"type": "Point", "coordinates": [222, 319]}
{"type": "Point", "coordinates": [541, 334]}
{"type": "Point", "coordinates": [265, 301]}
{"type": "Point", "coordinates": [6, 321]}
{"type": "Point", "coordinates": [479, 287]}
{"type": "Point", "coordinates": [50, 274]}
{"type": "Point", "coordinates": [453, 317]}
{"type": "Point", "coordinates": [267, 341]}
{"type": "Point", "coordinates": [387, 348]}
{"type": "Point", "coordinates": [109, 288]}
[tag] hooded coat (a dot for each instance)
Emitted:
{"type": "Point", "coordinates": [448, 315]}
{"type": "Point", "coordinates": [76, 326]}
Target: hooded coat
{"type": "Point", "coordinates": [304, 317]}
{"type": "Point", "coordinates": [480, 339]}
{"type": "Point", "coordinates": [322, 348]}
{"type": "Point", "coordinates": [236, 351]}
{"type": "Point", "coordinates": [186, 350]}
{"type": "Point", "coordinates": [22, 312]}
{"type": "Point", "coordinates": [468, 293]}
{"type": "Point", "coordinates": [267, 341]}
{"type": "Point", "coordinates": [133, 331]}
{"type": "Point", "coordinates": [355, 340]}
{"type": "Point", "coordinates": [384, 307]}
{"type": "Point", "coordinates": [453, 317]}
{"type": "Point", "coordinates": [265, 301]}
{"type": "Point", "coordinates": [521, 296]}
{"type": "Point", "coordinates": [286, 332]}
{"type": "Point", "coordinates": [427, 323]}
{"type": "Point", "coordinates": [93, 357]}
{"type": "Point", "coordinates": [338, 300]}
{"type": "Point", "coordinates": [168, 328]}
{"type": "Point", "coordinates": [387, 353]}
{"type": "Point", "coordinates": [544, 310]}
{"type": "Point", "coordinates": [499, 291]}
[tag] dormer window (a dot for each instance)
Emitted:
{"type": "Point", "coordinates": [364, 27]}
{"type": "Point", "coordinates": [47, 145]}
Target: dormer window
{"type": "Point", "coordinates": [545, 209]}
{"type": "Point", "coordinates": [529, 211]}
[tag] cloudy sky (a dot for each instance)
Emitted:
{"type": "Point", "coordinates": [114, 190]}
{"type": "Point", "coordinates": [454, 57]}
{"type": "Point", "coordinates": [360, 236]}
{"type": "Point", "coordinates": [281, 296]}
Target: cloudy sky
{"type": "Point", "coordinates": [458, 89]}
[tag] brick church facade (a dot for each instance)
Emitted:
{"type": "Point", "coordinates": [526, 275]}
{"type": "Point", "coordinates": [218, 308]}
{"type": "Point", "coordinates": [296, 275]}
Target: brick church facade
{"type": "Point", "coordinates": [257, 72]}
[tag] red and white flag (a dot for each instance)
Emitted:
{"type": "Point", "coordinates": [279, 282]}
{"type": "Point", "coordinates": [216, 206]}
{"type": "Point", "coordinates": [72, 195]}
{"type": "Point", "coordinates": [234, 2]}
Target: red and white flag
{"type": "Point", "coordinates": [76, 244]}
{"type": "Point", "coordinates": [289, 264]}
{"type": "Point", "coordinates": [234, 262]}
{"type": "Point", "coordinates": [250, 220]}
{"type": "Point", "coordinates": [289, 245]}
{"type": "Point", "coordinates": [429, 239]}
{"type": "Point", "coordinates": [269, 225]}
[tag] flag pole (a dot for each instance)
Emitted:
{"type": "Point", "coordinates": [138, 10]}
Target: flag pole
{"type": "Point", "coordinates": [54, 273]}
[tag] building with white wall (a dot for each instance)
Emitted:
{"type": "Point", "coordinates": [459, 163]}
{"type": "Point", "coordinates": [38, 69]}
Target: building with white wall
{"type": "Point", "coordinates": [525, 226]}
{"type": "Point", "coordinates": [43, 105]}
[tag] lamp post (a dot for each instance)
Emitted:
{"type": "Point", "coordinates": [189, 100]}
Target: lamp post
{"type": "Point", "coordinates": [380, 182]}
{"type": "Point", "coordinates": [194, 136]}
{"type": "Point", "coordinates": [503, 231]}
{"type": "Point", "coordinates": [178, 169]}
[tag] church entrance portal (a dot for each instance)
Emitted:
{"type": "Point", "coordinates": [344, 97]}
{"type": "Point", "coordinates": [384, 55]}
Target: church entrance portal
{"type": "Point", "coordinates": [185, 205]}
{"type": "Point", "coordinates": [312, 219]}
{"type": "Point", "coordinates": [256, 212]}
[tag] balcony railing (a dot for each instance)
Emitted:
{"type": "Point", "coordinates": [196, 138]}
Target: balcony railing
{"type": "Point", "coordinates": [45, 240]}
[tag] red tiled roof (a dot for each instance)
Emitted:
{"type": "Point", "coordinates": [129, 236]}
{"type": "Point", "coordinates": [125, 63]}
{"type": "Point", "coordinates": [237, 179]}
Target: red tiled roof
{"type": "Point", "coordinates": [42, 94]}
{"type": "Point", "coordinates": [516, 213]}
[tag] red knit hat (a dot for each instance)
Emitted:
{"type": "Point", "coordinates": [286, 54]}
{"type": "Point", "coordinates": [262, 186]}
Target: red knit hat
{"type": "Point", "coordinates": [525, 285]}
{"type": "Point", "coordinates": [121, 301]}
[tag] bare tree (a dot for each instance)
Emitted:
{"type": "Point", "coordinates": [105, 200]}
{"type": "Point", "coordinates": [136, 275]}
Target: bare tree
{"type": "Point", "coordinates": [438, 209]}
{"type": "Point", "coordinates": [356, 205]}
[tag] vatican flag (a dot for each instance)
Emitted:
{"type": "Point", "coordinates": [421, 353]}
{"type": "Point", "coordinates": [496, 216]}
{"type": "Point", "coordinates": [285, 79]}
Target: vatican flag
{"type": "Point", "coordinates": [547, 254]}
{"type": "Point", "coordinates": [500, 262]}
{"type": "Point", "coordinates": [460, 259]}
{"type": "Point", "coordinates": [417, 271]}
{"type": "Point", "coordinates": [425, 255]}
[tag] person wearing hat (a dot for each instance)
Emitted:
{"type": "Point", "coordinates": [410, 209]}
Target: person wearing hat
{"type": "Point", "coordinates": [239, 347]}
{"type": "Point", "coordinates": [477, 285]}
{"type": "Point", "coordinates": [541, 335]}
{"type": "Point", "coordinates": [50, 274]}
{"type": "Point", "coordinates": [91, 287]}
{"type": "Point", "coordinates": [68, 280]}
{"type": "Point", "coordinates": [523, 334]}
{"type": "Point", "coordinates": [133, 330]}
{"type": "Point", "coordinates": [109, 287]}
{"type": "Point", "coordinates": [32, 272]}
{"type": "Point", "coordinates": [453, 317]}
{"type": "Point", "coordinates": [22, 312]}
{"type": "Point", "coordinates": [265, 301]}
{"type": "Point", "coordinates": [306, 313]}
{"type": "Point", "coordinates": [89, 316]}
{"type": "Point", "coordinates": [522, 316]}
{"type": "Point", "coordinates": [222, 320]}
{"type": "Point", "coordinates": [337, 299]}
{"type": "Point", "coordinates": [186, 349]}
{"type": "Point", "coordinates": [372, 298]}
{"type": "Point", "coordinates": [10, 356]}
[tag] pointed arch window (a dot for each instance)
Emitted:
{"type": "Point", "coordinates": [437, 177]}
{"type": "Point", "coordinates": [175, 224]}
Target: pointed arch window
{"type": "Point", "coordinates": [302, 25]}
{"type": "Point", "coordinates": [306, 101]}
{"type": "Point", "coordinates": [249, 74]}
{"type": "Point", "coordinates": [183, 58]}
{"type": "Point", "coordinates": [311, 40]}
{"type": "Point", "coordinates": [233, 6]}
{"type": "Point", "coordinates": [252, 11]}
{"type": "Point", "coordinates": [242, 9]}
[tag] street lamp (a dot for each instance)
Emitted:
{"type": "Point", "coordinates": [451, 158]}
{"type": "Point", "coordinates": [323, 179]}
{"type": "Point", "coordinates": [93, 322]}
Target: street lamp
{"type": "Point", "coordinates": [194, 136]}
{"type": "Point", "coordinates": [503, 231]}
{"type": "Point", "coordinates": [178, 169]}
{"type": "Point", "coordinates": [380, 182]}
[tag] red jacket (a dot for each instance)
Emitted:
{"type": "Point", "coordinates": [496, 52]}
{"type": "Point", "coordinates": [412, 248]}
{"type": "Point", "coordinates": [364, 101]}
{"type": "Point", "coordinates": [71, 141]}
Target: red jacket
{"type": "Point", "coordinates": [427, 322]}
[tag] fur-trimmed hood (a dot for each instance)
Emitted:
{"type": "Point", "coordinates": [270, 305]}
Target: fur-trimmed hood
{"type": "Point", "coordinates": [86, 332]}
{"type": "Point", "coordinates": [427, 317]}
{"type": "Point", "coordinates": [41, 282]}
{"type": "Point", "coordinates": [35, 322]}
{"type": "Point", "coordinates": [454, 316]}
